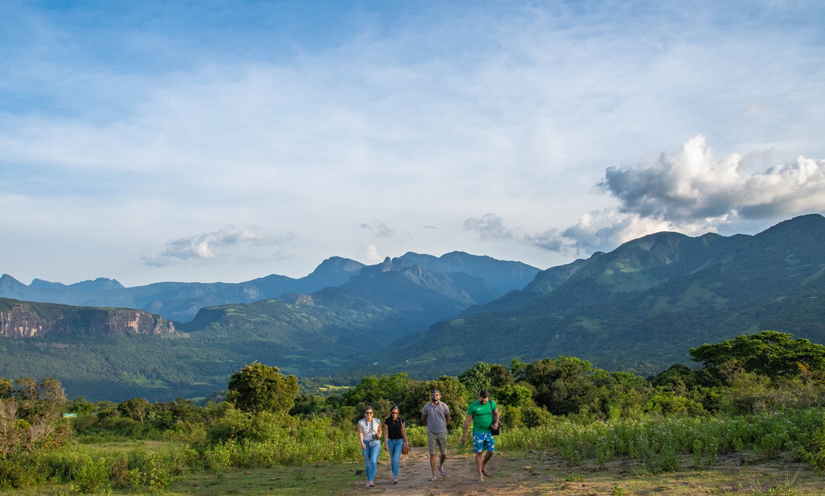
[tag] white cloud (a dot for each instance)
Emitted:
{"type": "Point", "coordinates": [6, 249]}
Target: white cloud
{"type": "Point", "coordinates": [208, 246]}
{"type": "Point", "coordinates": [693, 191]}
{"type": "Point", "coordinates": [693, 185]}
{"type": "Point", "coordinates": [372, 255]}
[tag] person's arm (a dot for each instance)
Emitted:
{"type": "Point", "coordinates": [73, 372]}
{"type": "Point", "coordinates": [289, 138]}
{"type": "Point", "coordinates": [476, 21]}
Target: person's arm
{"type": "Point", "coordinates": [467, 419]}
{"type": "Point", "coordinates": [447, 416]}
{"type": "Point", "coordinates": [495, 416]}
{"type": "Point", "coordinates": [361, 436]}
{"type": "Point", "coordinates": [387, 439]}
{"type": "Point", "coordinates": [424, 416]}
{"type": "Point", "coordinates": [380, 425]}
{"type": "Point", "coordinates": [404, 432]}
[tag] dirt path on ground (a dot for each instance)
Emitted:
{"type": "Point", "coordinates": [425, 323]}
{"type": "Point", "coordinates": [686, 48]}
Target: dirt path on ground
{"type": "Point", "coordinates": [507, 476]}
{"type": "Point", "coordinates": [534, 473]}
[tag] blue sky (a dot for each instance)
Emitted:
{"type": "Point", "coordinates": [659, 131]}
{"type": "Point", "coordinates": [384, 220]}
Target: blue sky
{"type": "Point", "coordinates": [205, 141]}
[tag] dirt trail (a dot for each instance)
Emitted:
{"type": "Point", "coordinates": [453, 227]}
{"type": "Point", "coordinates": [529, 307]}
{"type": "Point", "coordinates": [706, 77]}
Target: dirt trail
{"type": "Point", "coordinates": [533, 473]}
{"type": "Point", "coordinates": [414, 472]}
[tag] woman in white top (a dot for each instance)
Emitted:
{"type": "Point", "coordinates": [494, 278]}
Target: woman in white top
{"type": "Point", "coordinates": [369, 433]}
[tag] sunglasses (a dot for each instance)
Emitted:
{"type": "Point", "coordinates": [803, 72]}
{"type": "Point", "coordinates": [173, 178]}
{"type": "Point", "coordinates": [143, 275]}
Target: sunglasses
{"type": "Point", "coordinates": [368, 413]}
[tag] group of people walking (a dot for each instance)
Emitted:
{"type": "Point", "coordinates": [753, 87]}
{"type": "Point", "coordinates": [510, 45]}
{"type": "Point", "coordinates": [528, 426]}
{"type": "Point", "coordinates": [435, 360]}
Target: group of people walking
{"type": "Point", "coordinates": [482, 413]}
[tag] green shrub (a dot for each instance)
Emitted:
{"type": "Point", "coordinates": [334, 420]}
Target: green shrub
{"type": "Point", "coordinates": [92, 475]}
{"type": "Point", "coordinates": [17, 472]}
{"type": "Point", "coordinates": [149, 471]}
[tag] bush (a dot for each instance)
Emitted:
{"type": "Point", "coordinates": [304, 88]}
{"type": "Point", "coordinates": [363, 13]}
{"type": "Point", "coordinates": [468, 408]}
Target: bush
{"type": "Point", "coordinates": [149, 471]}
{"type": "Point", "coordinates": [92, 475]}
{"type": "Point", "coordinates": [669, 404]}
{"type": "Point", "coordinates": [18, 471]}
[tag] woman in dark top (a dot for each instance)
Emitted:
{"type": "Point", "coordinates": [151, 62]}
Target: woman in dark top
{"type": "Point", "coordinates": [395, 439]}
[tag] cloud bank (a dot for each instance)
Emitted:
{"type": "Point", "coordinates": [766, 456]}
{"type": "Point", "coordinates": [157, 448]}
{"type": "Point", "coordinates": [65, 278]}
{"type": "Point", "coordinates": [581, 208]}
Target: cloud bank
{"type": "Point", "coordinates": [690, 191]}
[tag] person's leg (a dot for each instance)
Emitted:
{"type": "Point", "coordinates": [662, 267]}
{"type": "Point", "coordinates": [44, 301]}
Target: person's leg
{"type": "Point", "coordinates": [395, 446]}
{"type": "Point", "coordinates": [490, 446]}
{"type": "Point", "coordinates": [478, 448]}
{"type": "Point", "coordinates": [366, 453]}
{"type": "Point", "coordinates": [442, 446]}
{"type": "Point", "coordinates": [487, 457]}
{"type": "Point", "coordinates": [431, 446]}
{"type": "Point", "coordinates": [375, 450]}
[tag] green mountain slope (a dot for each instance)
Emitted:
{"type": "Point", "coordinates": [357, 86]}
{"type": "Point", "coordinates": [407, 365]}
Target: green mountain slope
{"type": "Point", "coordinates": [324, 331]}
{"type": "Point", "coordinates": [643, 305]}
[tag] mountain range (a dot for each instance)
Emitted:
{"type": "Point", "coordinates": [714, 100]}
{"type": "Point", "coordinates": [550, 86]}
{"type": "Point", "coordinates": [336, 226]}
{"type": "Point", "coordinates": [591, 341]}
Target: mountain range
{"type": "Point", "coordinates": [639, 307]}
{"type": "Point", "coordinates": [180, 301]}
{"type": "Point", "coordinates": [305, 333]}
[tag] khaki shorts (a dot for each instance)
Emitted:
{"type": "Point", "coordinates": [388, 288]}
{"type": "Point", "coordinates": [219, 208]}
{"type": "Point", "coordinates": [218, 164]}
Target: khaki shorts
{"type": "Point", "coordinates": [437, 439]}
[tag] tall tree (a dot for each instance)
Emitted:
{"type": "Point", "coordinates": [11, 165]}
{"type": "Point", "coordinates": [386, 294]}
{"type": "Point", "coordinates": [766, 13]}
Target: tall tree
{"type": "Point", "coordinates": [258, 387]}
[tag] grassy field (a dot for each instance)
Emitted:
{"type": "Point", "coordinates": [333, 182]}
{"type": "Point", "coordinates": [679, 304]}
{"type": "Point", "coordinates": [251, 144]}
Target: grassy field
{"type": "Point", "coordinates": [512, 473]}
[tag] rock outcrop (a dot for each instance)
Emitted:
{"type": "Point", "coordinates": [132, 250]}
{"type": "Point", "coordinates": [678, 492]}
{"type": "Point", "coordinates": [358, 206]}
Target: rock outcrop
{"type": "Point", "coordinates": [23, 319]}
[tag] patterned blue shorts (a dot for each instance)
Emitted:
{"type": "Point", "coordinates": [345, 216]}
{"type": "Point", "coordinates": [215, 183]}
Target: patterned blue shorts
{"type": "Point", "coordinates": [483, 441]}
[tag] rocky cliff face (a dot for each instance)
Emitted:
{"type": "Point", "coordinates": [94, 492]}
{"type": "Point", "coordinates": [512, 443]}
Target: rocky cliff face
{"type": "Point", "coordinates": [21, 319]}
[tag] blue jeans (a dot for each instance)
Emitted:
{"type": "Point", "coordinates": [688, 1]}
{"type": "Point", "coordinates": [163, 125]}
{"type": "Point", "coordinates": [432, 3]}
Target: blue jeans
{"type": "Point", "coordinates": [395, 446]}
{"type": "Point", "coordinates": [371, 457]}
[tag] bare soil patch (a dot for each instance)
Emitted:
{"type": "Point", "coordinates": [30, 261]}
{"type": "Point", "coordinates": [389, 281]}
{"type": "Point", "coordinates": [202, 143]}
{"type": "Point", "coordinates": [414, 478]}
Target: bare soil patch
{"type": "Point", "coordinates": [533, 474]}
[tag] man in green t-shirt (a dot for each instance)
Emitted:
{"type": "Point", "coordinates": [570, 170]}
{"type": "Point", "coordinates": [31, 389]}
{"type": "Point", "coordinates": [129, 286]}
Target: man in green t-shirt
{"type": "Point", "coordinates": [484, 416]}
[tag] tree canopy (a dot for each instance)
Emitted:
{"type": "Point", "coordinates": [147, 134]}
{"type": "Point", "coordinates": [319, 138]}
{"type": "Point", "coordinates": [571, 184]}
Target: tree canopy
{"type": "Point", "coordinates": [768, 353]}
{"type": "Point", "coordinates": [258, 387]}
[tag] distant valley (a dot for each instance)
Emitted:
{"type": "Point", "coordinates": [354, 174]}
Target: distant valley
{"type": "Point", "coordinates": [308, 334]}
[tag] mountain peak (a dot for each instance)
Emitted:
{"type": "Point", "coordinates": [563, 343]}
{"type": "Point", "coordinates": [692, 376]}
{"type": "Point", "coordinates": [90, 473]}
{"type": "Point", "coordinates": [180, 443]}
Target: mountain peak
{"type": "Point", "coordinates": [338, 264]}
{"type": "Point", "coordinates": [804, 231]}
{"type": "Point", "coordinates": [8, 281]}
{"type": "Point", "coordinates": [99, 284]}
{"type": "Point", "coordinates": [44, 284]}
{"type": "Point", "coordinates": [804, 224]}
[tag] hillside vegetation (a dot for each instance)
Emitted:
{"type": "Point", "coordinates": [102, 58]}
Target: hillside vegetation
{"type": "Point", "coordinates": [642, 305]}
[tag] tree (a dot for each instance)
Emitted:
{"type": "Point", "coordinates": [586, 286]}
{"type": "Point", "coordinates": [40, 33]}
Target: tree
{"type": "Point", "coordinates": [392, 388]}
{"type": "Point", "coordinates": [563, 385]}
{"type": "Point", "coordinates": [136, 409]}
{"type": "Point", "coordinates": [6, 388]}
{"type": "Point", "coordinates": [768, 353]}
{"type": "Point", "coordinates": [477, 378]}
{"type": "Point", "coordinates": [258, 388]}
{"type": "Point", "coordinates": [29, 416]}
{"type": "Point", "coordinates": [81, 407]}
